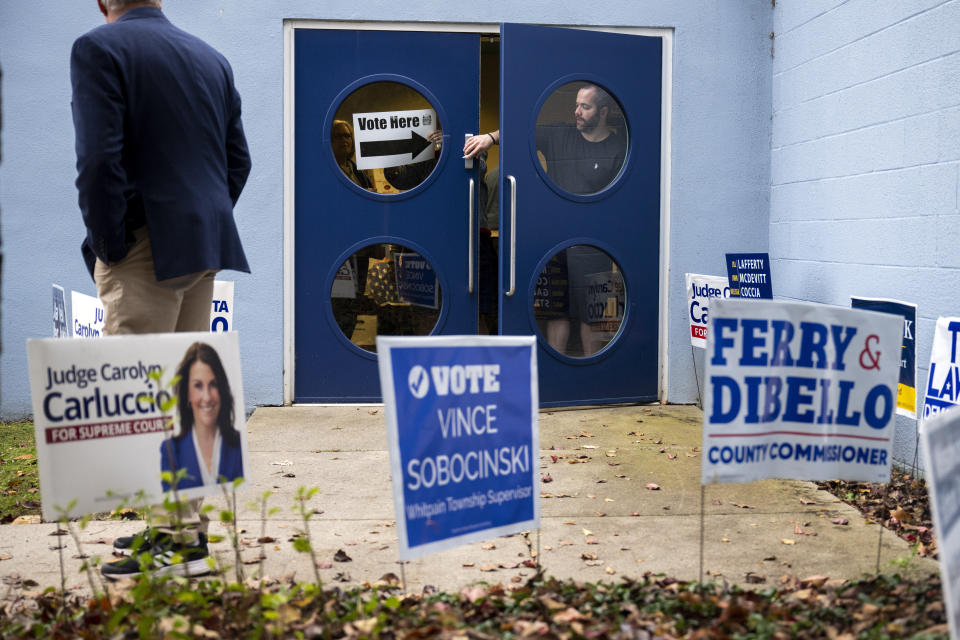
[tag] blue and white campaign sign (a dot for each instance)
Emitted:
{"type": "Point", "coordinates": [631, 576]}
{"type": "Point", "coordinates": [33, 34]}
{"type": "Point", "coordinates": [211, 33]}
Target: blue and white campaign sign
{"type": "Point", "coordinates": [345, 282]}
{"type": "Point", "coordinates": [799, 390]}
{"type": "Point", "coordinates": [101, 430]}
{"type": "Point", "coordinates": [88, 316]}
{"type": "Point", "coordinates": [943, 379]}
{"type": "Point", "coordinates": [907, 388]}
{"type": "Point", "coordinates": [60, 327]}
{"type": "Point", "coordinates": [393, 138]}
{"type": "Point", "coordinates": [221, 312]}
{"type": "Point", "coordinates": [700, 289]}
{"type": "Point", "coordinates": [749, 276]}
{"type": "Point", "coordinates": [462, 427]}
{"type": "Point", "coordinates": [604, 301]}
{"type": "Point", "coordinates": [416, 280]}
{"type": "Point", "coordinates": [940, 437]}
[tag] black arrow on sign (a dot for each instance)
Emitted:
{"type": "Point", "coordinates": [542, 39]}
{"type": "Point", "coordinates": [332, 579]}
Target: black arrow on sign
{"type": "Point", "coordinates": [413, 146]}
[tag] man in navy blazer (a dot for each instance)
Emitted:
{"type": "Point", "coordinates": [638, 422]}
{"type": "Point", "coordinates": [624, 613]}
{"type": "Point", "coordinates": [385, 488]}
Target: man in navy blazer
{"type": "Point", "coordinates": [161, 161]}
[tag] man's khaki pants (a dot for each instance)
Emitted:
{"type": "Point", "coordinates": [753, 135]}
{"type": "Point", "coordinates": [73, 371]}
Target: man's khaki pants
{"type": "Point", "coordinates": [135, 301]}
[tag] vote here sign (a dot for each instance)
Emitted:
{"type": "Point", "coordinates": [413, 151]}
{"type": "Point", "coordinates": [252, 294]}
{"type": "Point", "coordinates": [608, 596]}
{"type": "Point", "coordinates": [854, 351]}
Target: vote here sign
{"type": "Point", "coordinates": [103, 434]}
{"type": "Point", "coordinates": [799, 390]}
{"type": "Point", "coordinates": [941, 448]}
{"type": "Point", "coordinates": [393, 138]}
{"type": "Point", "coordinates": [462, 428]}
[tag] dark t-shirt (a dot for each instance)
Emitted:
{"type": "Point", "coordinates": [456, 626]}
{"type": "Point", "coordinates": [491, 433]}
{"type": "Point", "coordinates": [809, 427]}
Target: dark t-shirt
{"type": "Point", "coordinates": [576, 164]}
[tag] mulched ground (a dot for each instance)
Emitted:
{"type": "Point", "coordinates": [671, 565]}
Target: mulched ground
{"type": "Point", "coordinates": [902, 506]}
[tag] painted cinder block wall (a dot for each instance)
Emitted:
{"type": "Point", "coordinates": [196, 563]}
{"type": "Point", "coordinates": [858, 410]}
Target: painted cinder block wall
{"type": "Point", "coordinates": [865, 159]}
{"type": "Point", "coordinates": [720, 163]}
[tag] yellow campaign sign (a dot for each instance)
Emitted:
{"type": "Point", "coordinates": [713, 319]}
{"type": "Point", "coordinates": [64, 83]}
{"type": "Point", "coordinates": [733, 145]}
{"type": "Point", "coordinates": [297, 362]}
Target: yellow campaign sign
{"type": "Point", "coordinates": [906, 397]}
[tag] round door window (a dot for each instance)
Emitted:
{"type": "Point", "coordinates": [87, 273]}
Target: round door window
{"type": "Point", "coordinates": [386, 137]}
{"type": "Point", "coordinates": [385, 289]}
{"type": "Point", "coordinates": [579, 300]}
{"type": "Point", "coordinates": [581, 138]}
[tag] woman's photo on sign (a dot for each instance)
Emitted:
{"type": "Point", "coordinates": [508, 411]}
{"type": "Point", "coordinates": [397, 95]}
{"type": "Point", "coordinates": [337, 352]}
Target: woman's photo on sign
{"type": "Point", "coordinates": [207, 445]}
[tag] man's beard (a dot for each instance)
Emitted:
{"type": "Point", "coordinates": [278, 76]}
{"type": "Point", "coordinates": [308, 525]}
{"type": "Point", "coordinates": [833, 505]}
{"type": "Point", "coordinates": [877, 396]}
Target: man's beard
{"type": "Point", "coordinates": [587, 125]}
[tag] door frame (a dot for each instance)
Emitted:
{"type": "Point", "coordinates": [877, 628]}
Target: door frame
{"type": "Point", "coordinates": [289, 205]}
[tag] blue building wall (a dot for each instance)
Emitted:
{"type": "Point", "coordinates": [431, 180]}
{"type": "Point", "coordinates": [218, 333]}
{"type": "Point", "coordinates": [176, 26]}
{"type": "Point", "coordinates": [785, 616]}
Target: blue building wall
{"type": "Point", "coordinates": [865, 159]}
{"type": "Point", "coordinates": [720, 162]}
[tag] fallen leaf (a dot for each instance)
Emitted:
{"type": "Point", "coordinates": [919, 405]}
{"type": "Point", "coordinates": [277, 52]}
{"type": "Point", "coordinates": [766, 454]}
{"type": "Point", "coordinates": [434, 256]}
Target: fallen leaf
{"type": "Point", "coordinates": [372, 412]}
{"type": "Point", "coordinates": [588, 556]}
{"type": "Point", "coordinates": [467, 564]}
{"type": "Point", "coordinates": [566, 543]}
{"type": "Point", "coordinates": [753, 578]}
{"type": "Point", "coordinates": [591, 495]}
{"type": "Point", "coordinates": [341, 556]}
{"type": "Point", "coordinates": [5, 557]}
{"type": "Point", "coordinates": [807, 501]}
{"type": "Point", "coordinates": [589, 446]}
{"type": "Point", "coordinates": [516, 579]}
{"type": "Point", "coordinates": [26, 456]}
{"type": "Point", "coordinates": [788, 541]}
{"type": "Point", "coordinates": [608, 499]}
{"type": "Point", "coordinates": [546, 478]}
{"type": "Point", "coordinates": [324, 565]}
{"type": "Point", "coordinates": [653, 487]}
{"type": "Point", "coordinates": [609, 571]}
{"type": "Point", "coordinates": [587, 532]}
{"type": "Point", "coordinates": [489, 567]}
{"type": "Point", "coordinates": [567, 616]}
{"type": "Point", "coordinates": [592, 541]}
{"type": "Point", "coordinates": [900, 515]}
{"type": "Point", "coordinates": [840, 521]}
{"type": "Point", "coordinates": [724, 539]}
{"type": "Point", "coordinates": [488, 546]}
{"type": "Point", "coordinates": [610, 454]}
{"type": "Point", "coordinates": [282, 463]}
{"type": "Point", "coordinates": [741, 506]}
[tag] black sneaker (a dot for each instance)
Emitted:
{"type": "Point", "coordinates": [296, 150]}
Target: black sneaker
{"type": "Point", "coordinates": [125, 545]}
{"type": "Point", "coordinates": [165, 557]}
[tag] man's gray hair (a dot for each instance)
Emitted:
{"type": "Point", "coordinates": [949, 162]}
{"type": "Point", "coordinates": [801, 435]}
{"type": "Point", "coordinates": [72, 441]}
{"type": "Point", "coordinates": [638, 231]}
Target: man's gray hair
{"type": "Point", "coordinates": [120, 5]}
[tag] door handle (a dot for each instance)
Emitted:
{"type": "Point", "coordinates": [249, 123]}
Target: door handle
{"type": "Point", "coordinates": [513, 235]}
{"type": "Point", "coordinates": [470, 239]}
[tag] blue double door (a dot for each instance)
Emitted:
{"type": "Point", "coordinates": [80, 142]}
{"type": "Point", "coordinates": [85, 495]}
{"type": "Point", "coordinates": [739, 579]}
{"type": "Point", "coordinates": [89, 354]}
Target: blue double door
{"type": "Point", "coordinates": [389, 233]}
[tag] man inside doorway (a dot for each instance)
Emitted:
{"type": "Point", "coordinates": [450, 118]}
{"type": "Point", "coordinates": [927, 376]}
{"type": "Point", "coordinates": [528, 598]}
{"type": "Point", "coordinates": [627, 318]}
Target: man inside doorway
{"type": "Point", "coordinates": [583, 158]}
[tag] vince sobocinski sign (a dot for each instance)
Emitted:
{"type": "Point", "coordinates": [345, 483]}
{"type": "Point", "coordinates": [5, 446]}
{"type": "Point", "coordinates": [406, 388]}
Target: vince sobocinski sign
{"type": "Point", "coordinates": [103, 436]}
{"type": "Point", "coordinates": [799, 390]}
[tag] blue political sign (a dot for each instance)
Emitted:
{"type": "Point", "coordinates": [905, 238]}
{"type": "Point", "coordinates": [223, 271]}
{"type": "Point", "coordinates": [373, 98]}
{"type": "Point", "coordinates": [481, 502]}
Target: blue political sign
{"type": "Point", "coordinates": [907, 387]}
{"type": "Point", "coordinates": [416, 280]}
{"type": "Point", "coordinates": [462, 428]}
{"type": "Point", "coordinates": [749, 276]}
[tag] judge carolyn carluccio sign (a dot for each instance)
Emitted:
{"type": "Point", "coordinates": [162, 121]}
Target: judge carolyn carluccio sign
{"type": "Point", "coordinates": [462, 428]}
{"type": "Point", "coordinates": [799, 390]}
{"type": "Point", "coordinates": [102, 434]}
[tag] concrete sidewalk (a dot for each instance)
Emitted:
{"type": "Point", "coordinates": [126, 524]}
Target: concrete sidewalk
{"type": "Point", "coordinates": [599, 521]}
